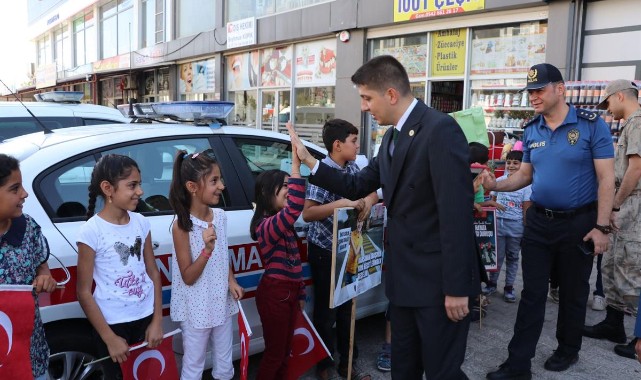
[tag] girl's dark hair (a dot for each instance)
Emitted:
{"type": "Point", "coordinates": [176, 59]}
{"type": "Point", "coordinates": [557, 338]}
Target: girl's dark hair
{"type": "Point", "coordinates": [7, 165]}
{"type": "Point", "coordinates": [111, 168]}
{"type": "Point", "coordinates": [268, 184]}
{"type": "Point", "coordinates": [188, 167]}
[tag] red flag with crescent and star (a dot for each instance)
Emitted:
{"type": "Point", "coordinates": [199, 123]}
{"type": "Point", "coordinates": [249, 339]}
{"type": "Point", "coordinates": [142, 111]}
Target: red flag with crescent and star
{"type": "Point", "coordinates": [307, 348]}
{"type": "Point", "coordinates": [17, 308]}
{"type": "Point", "coordinates": [245, 331]}
{"type": "Point", "coordinates": [146, 363]}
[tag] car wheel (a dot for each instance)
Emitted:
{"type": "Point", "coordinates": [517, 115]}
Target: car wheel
{"type": "Point", "coordinates": [71, 350]}
{"type": "Point", "coordinates": [71, 365]}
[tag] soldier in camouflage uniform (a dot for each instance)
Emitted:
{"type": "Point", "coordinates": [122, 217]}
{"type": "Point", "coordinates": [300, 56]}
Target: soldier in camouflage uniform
{"type": "Point", "coordinates": [622, 265]}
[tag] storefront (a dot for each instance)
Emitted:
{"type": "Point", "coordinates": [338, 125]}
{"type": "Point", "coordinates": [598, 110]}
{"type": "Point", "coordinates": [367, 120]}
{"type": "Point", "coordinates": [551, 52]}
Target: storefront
{"type": "Point", "coordinates": [467, 61]}
{"type": "Point", "coordinates": [267, 84]}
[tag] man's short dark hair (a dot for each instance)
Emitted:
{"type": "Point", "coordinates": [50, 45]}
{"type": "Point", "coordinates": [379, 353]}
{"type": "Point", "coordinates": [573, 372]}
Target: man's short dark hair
{"type": "Point", "coordinates": [514, 155]}
{"type": "Point", "coordinates": [478, 153]}
{"type": "Point", "coordinates": [337, 129]}
{"type": "Point", "coordinates": [381, 73]}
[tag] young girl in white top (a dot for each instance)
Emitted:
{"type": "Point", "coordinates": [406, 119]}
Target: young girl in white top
{"type": "Point", "coordinates": [203, 290]}
{"type": "Point", "coordinates": [114, 250]}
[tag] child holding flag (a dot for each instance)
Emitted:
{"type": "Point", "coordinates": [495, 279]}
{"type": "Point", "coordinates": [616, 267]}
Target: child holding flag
{"type": "Point", "coordinates": [24, 252]}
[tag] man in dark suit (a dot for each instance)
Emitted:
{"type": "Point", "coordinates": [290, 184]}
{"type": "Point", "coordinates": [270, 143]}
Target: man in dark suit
{"type": "Point", "coordinates": [432, 270]}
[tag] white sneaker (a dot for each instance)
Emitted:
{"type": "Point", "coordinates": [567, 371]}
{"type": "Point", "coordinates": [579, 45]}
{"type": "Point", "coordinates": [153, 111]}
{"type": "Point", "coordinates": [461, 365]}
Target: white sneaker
{"type": "Point", "coordinates": [598, 303]}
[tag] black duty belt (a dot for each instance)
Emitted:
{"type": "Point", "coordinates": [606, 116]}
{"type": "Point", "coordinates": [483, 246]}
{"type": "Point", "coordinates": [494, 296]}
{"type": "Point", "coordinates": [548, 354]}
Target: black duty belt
{"type": "Point", "coordinates": [565, 214]}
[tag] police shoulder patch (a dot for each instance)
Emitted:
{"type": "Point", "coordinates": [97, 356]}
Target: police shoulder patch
{"type": "Point", "coordinates": [588, 115]}
{"type": "Point", "coordinates": [532, 121]}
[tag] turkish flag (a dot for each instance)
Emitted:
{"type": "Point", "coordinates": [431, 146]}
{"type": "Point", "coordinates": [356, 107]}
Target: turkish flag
{"type": "Point", "coordinates": [146, 363]}
{"type": "Point", "coordinates": [307, 348]}
{"type": "Point", "coordinates": [17, 308]}
{"type": "Point", "coordinates": [245, 331]}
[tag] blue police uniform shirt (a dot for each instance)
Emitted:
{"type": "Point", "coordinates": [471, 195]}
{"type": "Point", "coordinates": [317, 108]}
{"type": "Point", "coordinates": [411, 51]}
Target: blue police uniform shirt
{"type": "Point", "coordinates": [564, 177]}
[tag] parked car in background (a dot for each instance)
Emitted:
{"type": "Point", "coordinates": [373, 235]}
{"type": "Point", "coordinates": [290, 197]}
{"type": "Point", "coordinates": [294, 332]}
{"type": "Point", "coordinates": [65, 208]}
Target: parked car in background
{"type": "Point", "coordinates": [56, 171]}
{"type": "Point", "coordinates": [57, 109]}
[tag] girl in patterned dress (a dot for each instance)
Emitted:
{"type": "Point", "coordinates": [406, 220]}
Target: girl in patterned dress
{"type": "Point", "coordinates": [23, 255]}
{"type": "Point", "coordinates": [204, 291]}
{"type": "Point", "coordinates": [115, 251]}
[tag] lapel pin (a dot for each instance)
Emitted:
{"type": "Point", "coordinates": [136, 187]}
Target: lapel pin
{"type": "Point", "coordinates": [411, 132]}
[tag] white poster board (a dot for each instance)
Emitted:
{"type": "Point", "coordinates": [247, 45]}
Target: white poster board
{"type": "Point", "coordinates": [357, 253]}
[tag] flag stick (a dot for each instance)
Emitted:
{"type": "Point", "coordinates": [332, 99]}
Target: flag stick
{"type": "Point", "coordinates": [132, 348]}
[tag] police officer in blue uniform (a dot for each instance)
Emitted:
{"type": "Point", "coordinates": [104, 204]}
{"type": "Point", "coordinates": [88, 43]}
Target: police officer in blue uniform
{"type": "Point", "coordinates": [569, 160]}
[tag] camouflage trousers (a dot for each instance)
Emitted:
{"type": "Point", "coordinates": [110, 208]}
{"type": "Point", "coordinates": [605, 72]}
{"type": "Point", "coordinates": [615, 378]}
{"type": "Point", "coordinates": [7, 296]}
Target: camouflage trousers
{"type": "Point", "coordinates": [621, 266]}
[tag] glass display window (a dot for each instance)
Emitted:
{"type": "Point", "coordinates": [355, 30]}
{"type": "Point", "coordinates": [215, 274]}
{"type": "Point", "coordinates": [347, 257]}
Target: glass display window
{"type": "Point", "coordinates": [500, 59]}
{"type": "Point", "coordinates": [245, 103]}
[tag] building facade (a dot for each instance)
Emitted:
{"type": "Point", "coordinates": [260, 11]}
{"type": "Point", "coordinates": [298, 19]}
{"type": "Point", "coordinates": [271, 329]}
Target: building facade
{"type": "Point", "coordinates": [282, 59]}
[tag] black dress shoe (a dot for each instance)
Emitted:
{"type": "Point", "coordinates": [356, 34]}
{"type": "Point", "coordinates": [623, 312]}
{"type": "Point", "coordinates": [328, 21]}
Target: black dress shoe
{"type": "Point", "coordinates": [605, 330]}
{"type": "Point", "coordinates": [506, 373]}
{"type": "Point", "coordinates": [626, 350]}
{"type": "Point", "coordinates": [560, 361]}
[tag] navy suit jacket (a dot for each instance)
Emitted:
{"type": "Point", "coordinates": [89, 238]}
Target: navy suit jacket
{"type": "Point", "coordinates": [427, 187]}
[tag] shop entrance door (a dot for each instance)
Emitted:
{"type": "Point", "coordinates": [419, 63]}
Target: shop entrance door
{"type": "Point", "coordinates": [446, 96]}
{"type": "Point", "coordinates": [275, 110]}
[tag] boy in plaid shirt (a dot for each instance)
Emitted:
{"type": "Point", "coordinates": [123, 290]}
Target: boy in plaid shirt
{"type": "Point", "coordinates": [341, 140]}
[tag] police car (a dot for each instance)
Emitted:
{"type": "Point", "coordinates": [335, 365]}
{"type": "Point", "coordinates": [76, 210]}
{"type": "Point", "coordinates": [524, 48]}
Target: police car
{"type": "Point", "coordinates": [56, 170]}
{"type": "Point", "coordinates": [54, 110]}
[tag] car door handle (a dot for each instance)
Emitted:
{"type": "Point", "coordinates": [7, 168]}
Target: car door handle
{"type": "Point", "coordinates": [155, 244]}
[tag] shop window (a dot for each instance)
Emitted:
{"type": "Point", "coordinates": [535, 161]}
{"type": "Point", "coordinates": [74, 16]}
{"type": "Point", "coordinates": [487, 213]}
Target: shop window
{"type": "Point", "coordinates": [245, 107]}
{"type": "Point", "coordinates": [411, 51]}
{"type": "Point", "coordinates": [314, 106]}
{"type": "Point", "coordinates": [237, 10]}
{"type": "Point", "coordinates": [153, 21]}
{"type": "Point", "coordinates": [194, 16]}
{"type": "Point", "coordinates": [116, 24]}
{"type": "Point", "coordinates": [62, 48]}
{"type": "Point", "coordinates": [44, 50]}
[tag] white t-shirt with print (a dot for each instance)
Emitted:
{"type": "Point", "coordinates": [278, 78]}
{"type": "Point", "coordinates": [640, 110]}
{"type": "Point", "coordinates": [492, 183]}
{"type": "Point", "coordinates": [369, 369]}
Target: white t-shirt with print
{"type": "Point", "coordinates": [207, 302]}
{"type": "Point", "coordinates": [123, 290]}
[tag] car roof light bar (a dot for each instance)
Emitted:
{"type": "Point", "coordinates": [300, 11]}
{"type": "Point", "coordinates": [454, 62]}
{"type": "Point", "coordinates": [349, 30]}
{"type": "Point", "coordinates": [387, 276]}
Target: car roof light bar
{"type": "Point", "coordinates": [60, 96]}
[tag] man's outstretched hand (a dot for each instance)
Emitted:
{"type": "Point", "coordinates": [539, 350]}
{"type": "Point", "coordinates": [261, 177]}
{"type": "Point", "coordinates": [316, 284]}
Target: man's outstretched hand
{"type": "Point", "coordinates": [299, 148]}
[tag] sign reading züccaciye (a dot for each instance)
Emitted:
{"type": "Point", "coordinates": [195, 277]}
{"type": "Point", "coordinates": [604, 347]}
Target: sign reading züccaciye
{"type": "Point", "coordinates": [405, 10]}
{"type": "Point", "coordinates": [448, 52]}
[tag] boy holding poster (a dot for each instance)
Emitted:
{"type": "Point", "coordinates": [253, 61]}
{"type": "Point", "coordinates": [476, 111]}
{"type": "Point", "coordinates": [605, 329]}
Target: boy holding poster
{"type": "Point", "coordinates": [509, 218]}
{"type": "Point", "coordinates": [341, 140]}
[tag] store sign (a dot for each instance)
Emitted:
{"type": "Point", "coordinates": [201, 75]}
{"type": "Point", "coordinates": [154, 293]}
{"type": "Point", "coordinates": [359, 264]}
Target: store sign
{"type": "Point", "coordinates": [241, 33]}
{"type": "Point", "coordinates": [405, 10]}
{"type": "Point", "coordinates": [114, 63]}
{"type": "Point", "coordinates": [149, 55]}
{"type": "Point", "coordinates": [46, 76]}
{"type": "Point", "coordinates": [197, 77]}
{"type": "Point", "coordinates": [316, 63]}
{"type": "Point", "coordinates": [448, 52]}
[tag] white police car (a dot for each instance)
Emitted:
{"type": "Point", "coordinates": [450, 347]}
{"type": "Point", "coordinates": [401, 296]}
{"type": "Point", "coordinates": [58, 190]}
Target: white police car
{"type": "Point", "coordinates": [56, 170]}
{"type": "Point", "coordinates": [56, 109]}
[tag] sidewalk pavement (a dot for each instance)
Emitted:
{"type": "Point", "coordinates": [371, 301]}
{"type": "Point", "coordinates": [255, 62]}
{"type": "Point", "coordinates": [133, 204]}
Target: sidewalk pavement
{"type": "Point", "coordinates": [487, 345]}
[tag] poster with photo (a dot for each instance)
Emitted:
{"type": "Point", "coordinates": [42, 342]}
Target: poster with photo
{"type": "Point", "coordinates": [507, 54]}
{"type": "Point", "coordinates": [316, 63]}
{"type": "Point", "coordinates": [276, 67]}
{"type": "Point", "coordinates": [198, 76]}
{"type": "Point", "coordinates": [413, 58]}
{"type": "Point", "coordinates": [238, 72]}
{"type": "Point", "coordinates": [485, 229]}
{"type": "Point", "coordinates": [357, 259]}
